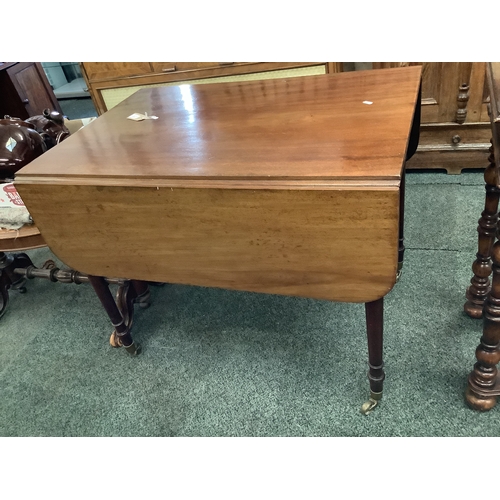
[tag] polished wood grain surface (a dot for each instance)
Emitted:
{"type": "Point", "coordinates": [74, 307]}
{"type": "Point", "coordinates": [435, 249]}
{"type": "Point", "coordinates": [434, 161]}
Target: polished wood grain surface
{"type": "Point", "coordinates": [282, 186]}
{"type": "Point", "coordinates": [318, 127]}
{"type": "Point", "coordinates": [336, 244]}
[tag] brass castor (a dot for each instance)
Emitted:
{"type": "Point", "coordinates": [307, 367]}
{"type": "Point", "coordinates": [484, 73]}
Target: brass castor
{"type": "Point", "coordinates": [367, 407]}
{"type": "Point", "coordinates": [114, 340]}
{"type": "Point", "coordinates": [133, 348]}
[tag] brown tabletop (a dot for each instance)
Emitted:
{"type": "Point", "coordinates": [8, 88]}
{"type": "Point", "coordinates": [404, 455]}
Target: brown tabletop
{"type": "Point", "coordinates": [282, 186]}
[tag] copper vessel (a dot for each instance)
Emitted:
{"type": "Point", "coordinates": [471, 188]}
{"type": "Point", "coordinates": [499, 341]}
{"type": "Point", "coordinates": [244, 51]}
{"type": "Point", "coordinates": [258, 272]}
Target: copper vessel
{"type": "Point", "coordinates": [50, 125]}
{"type": "Point", "coordinates": [20, 143]}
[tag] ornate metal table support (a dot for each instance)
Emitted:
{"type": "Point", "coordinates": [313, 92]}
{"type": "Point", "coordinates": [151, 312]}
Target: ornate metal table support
{"type": "Point", "coordinates": [374, 329]}
{"type": "Point", "coordinates": [480, 282]}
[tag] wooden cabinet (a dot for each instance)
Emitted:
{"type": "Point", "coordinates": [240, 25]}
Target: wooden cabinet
{"type": "Point", "coordinates": [96, 71]}
{"type": "Point", "coordinates": [109, 82]}
{"type": "Point", "coordinates": [25, 90]}
{"type": "Point", "coordinates": [455, 129]}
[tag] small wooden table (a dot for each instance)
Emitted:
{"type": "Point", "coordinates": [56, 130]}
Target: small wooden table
{"type": "Point", "coordinates": [290, 186]}
{"type": "Point", "coordinates": [483, 296]}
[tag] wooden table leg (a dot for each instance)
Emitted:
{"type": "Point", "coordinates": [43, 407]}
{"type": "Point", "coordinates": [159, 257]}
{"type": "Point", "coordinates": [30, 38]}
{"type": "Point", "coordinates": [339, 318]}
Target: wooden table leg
{"type": "Point", "coordinates": [480, 282]}
{"type": "Point", "coordinates": [142, 293]}
{"type": "Point", "coordinates": [484, 381]}
{"type": "Point", "coordinates": [120, 323]}
{"type": "Point", "coordinates": [374, 329]}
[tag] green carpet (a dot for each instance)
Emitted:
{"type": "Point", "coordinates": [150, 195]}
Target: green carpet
{"type": "Point", "coordinates": [223, 363]}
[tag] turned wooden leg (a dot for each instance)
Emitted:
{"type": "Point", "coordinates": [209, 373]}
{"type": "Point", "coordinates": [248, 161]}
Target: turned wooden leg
{"type": "Point", "coordinates": [374, 329]}
{"type": "Point", "coordinates": [484, 381]}
{"type": "Point", "coordinates": [480, 283]}
{"type": "Point", "coordinates": [122, 330]}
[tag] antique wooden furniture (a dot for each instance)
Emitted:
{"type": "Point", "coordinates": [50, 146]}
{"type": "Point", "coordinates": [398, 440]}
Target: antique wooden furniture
{"type": "Point", "coordinates": [482, 299]}
{"type": "Point", "coordinates": [111, 82]}
{"type": "Point", "coordinates": [455, 128]}
{"type": "Point", "coordinates": [17, 268]}
{"type": "Point", "coordinates": [25, 90]}
{"type": "Point", "coordinates": [289, 186]}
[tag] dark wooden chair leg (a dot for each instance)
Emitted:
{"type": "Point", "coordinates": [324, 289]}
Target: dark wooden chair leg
{"type": "Point", "coordinates": [8, 279]}
{"type": "Point", "coordinates": [4, 289]}
{"type": "Point", "coordinates": [121, 325]}
{"type": "Point", "coordinates": [374, 329]}
{"type": "Point", "coordinates": [142, 292]}
{"type": "Point", "coordinates": [484, 382]}
{"type": "Point", "coordinates": [480, 282]}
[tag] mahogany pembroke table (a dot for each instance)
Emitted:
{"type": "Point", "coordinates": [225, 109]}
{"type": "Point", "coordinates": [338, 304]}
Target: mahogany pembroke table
{"type": "Point", "coordinates": [291, 186]}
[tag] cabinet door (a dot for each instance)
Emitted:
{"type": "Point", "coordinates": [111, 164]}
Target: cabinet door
{"type": "Point", "coordinates": [453, 92]}
{"type": "Point", "coordinates": [33, 88]}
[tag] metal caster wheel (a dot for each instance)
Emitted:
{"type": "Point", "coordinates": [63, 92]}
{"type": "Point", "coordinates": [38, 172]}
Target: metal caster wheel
{"type": "Point", "coordinates": [370, 405]}
{"type": "Point", "coordinates": [114, 341]}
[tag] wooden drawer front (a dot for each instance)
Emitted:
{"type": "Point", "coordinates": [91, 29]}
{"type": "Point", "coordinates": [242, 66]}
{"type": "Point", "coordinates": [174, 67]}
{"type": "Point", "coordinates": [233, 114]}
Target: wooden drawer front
{"type": "Point", "coordinates": [109, 70]}
{"type": "Point", "coordinates": [454, 135]}
{"type": "Point", "coordinates": [112, 97]}
{"type": "Point", "coordinates": [171, 67]}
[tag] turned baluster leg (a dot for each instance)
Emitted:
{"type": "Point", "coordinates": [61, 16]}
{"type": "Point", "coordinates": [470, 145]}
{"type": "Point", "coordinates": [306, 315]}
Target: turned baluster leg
{"type": "Point", "coordinates": [484, 381]}
{"type": "Point", "coordinates": [122, 330]}
{"type": "Point", "coordinates": [374, 329]}
{"type": "Point", "coordinates": [480, 283]}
